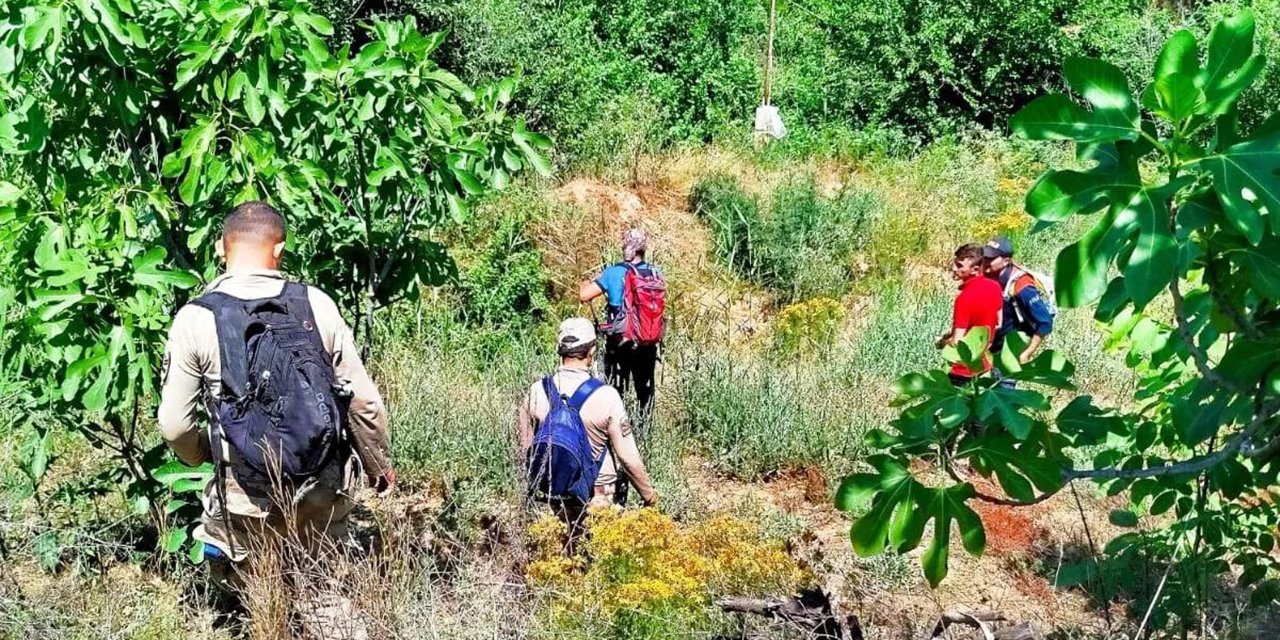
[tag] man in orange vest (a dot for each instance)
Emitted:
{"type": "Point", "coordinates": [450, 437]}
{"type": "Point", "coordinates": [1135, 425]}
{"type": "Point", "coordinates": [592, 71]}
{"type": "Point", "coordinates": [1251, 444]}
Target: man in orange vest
{"type": "Point", "coordinates": [1026, 306]}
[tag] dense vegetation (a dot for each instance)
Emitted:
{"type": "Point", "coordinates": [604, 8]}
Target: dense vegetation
{"type": "Point", "coordinates": [1199, 435]}
{"type": "Point", "coordinates": [611, 79]}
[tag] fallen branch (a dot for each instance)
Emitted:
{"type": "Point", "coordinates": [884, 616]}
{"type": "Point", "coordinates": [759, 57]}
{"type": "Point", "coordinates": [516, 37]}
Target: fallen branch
{"type": "Point", "coordinates": [984, 622]}
{"type": "Point", "coordinates": [811, 610]}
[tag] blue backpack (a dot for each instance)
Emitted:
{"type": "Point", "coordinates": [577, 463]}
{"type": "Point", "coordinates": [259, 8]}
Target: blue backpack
{"type": "Point", "coordinates": [279, 407]}
{"type": "Point", "coordinates": [560, 464]}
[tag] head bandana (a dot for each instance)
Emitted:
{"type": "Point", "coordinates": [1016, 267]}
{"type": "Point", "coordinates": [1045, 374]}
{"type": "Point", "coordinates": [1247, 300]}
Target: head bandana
{"type": "Point", "coordinates": [633, 243]}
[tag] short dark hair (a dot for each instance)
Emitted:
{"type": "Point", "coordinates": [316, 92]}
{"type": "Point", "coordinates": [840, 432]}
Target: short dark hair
{"type": "Point", "coordinates": [254, 219]}
{"type": "Point", "coordinates": [971, 252]}
{"type": "Point", "coordinates": [577, 352]}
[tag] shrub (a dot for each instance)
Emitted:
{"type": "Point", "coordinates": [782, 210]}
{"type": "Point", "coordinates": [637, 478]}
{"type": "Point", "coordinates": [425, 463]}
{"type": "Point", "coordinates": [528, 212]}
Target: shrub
{"type": "Point", "coordinates": [808, 327]}
{"type": "Point", "coordinates": [649, 577]}
{"type": "Point", "coordinates": [930, 65]}
{"type": "Point", "coordinates": [734, 217]}
{"type": "Point", "coordinates": [806, 246]}
{"type": "Point", "coordinates": [503, 283]}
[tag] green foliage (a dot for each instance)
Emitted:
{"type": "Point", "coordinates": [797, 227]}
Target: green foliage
{"type": "Point", "coordinates": [806, 246]}
{"type": "Point", "coordinates": [1129, 34]}
{"type": "Point", "coordinates": [129, 128]}
{"type": "Point", "coordinates": [931, 65]}
{"type": "Point", "coordinates": [503, 283]}
{"type": "Point", "coordinates": [693, 71]}
{"type": "Point", "coordinates": [1186, 197]}
{"type": "Point", "coordinates": [607, 76]}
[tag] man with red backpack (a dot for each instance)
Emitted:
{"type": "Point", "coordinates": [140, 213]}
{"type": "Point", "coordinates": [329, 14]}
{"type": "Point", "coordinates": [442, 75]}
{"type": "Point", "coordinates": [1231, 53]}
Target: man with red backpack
{"type": "Point", "coordinates": [1028, 298]}
{"type": "Point", "coordinates": [635, 297]}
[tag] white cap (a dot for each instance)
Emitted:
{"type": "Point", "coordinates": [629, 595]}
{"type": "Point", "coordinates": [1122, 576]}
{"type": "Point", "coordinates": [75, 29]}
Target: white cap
{"type": "Point", "coordinates": [575, 332]}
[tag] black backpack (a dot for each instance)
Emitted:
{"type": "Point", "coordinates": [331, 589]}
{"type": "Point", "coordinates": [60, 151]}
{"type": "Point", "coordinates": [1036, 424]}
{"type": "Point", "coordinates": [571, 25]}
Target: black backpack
{"type": "Point", "coordinates": [280, 406]}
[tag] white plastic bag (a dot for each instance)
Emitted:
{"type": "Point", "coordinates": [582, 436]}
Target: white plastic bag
{"type": "Point", "coordinates": [769, 123]}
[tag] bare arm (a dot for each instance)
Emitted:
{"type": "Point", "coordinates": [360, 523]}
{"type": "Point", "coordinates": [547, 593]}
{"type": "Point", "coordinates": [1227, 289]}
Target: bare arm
{"type": "Point", "coordinates": [367, 417]}
{"type": "Point", "coordinates": [524, 427]}
{"type": "Point", "coordinates": [628, 456]}
{"type": "Point", "coordinates": [954, 337]}
{"type": "Point", "coordinates": [1032, 347]}
{"type": "Point", "coordinates": [589, 291]}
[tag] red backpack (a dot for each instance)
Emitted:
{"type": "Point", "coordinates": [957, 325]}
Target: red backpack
{"type": "Point", "coordinates": [645, 295]}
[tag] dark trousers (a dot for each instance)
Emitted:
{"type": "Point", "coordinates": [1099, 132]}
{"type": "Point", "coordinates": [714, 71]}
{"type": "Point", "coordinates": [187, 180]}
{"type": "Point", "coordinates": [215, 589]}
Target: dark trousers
{"type": "Point", "coordinates": [625, 365]}
{"type": "Point", "coordinates": [628, 364]}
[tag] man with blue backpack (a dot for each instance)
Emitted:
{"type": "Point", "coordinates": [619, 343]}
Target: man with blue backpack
{"type": "Point", "coordinates": [575, 440]}
{"type": "Point", "coordinates": [293, 417]}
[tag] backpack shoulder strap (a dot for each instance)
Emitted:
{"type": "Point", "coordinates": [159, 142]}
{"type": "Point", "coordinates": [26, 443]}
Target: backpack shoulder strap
{"type": "Point", "coordinates": [584, 392]}
{"type": "Point", "coordinates": [1015, 274]}
{"type": "Point", "coordinates": [297, 301]}
{"type": "Point", "coordinates": [553, 393]}
{"type": "Point", "coordinates": [230, 319]}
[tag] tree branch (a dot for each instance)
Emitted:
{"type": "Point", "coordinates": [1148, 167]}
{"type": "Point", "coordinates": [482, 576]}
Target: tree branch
{"type": "Point", "coordinates": [1198, 356]}
{"type": "Point", "coordinates": [1263, 412]}
{"type": "Point", "coordinates": [988, 498]}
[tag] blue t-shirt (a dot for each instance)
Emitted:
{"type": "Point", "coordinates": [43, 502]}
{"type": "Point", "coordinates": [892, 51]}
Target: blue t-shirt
{"type": "Point", "coordinates": [613, 280]}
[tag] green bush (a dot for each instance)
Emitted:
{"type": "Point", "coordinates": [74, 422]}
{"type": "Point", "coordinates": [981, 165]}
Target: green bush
{"type": "Point", "coordinates": [1129, 34]}
{"type": "Point", "coordinates": [734, 218]}
{"type": "Point", "coordinates": [599, 73]}
{"type": "Point", "coordinates": [674, 70]}
{"type": "Point", "coordinates": [925, 65]}
{"type": "Point", "coordinates": [504, 284]}
{"type": "Point", "coordinates": [807, 244]}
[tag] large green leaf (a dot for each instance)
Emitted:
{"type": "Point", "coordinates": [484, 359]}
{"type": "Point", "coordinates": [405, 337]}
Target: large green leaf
{"type": "Point", "coordinates": [1179, 55]}
{"type": "Point", "coordinates": [1081, 270]}
{"type": "Point", "coordinates": [1058, 195]}
{"type": "Point", "coordinates": [945, 506]}
{"type": "Point", "coordinates": [885, 522]}
{"type": "Point", "coordinates": [1261, 265]}
{"type": "Point", "coordinates": [1155, 255]}
{"type": "Point", "coordinates": [1174, 97]}
{"type": "Point", "coordinates": [1230, 66]}
{"type": "Point", "coordinates": [176, 476]}
{"type": "Point", "coordinates": [1104, 86]}
{"type": "Point", "coordinates": [1007, 406]}
{"type": "Point", "coordinates": [1018, 466]}
{"type": "Point", "coordinates": [1248, 360]}
{"type": "Point", "coordinates": [147, 272]}
{"type": "Point", "coordinates": [971, 350]}
{"type": "Point", "coordinates": [1247, 176]}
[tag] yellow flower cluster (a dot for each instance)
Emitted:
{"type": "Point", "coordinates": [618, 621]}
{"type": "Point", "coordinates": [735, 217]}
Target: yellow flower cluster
{"type": "Point", "coordinates": [809, 325]}
{"type": "Point", "coordinates": [1011, 220]}
{"type": "Point", "coordinates": [642, 560]}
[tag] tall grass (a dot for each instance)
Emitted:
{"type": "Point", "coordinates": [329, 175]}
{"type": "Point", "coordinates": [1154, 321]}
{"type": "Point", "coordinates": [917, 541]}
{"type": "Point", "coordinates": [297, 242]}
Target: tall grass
{"type": "Point", "coordinates": [750, 418]}
{"type": "Point", "coordinates": [799, 242]}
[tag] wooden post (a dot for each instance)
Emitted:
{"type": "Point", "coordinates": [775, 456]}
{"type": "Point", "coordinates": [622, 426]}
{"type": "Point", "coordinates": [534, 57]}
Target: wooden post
{"type": "Point", "coordinates": [768, 60]}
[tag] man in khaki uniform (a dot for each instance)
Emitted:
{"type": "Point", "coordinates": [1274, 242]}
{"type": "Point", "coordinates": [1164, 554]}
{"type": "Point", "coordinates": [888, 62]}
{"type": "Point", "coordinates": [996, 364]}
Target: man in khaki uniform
{"type": "Point", "coordinates": [603, 414]}
{"type": "Point", "coordinates": [251, 245]}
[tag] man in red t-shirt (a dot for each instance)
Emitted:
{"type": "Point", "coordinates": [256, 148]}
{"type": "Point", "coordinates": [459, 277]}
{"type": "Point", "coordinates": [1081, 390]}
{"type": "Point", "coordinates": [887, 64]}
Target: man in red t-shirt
{"type": "Point", "coordinates": [979, 304]}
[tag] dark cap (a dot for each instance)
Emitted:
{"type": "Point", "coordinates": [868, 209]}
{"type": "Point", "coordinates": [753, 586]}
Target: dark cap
{"type": "Point", "coordinates": [998, 248]}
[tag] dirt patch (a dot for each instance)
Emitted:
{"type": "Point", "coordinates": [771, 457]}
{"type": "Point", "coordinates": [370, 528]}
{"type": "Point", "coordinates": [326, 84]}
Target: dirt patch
{"type": "Point", "coordinates": [705, 300]}
{"type": "Point", "coordinates": [1005, 579]}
